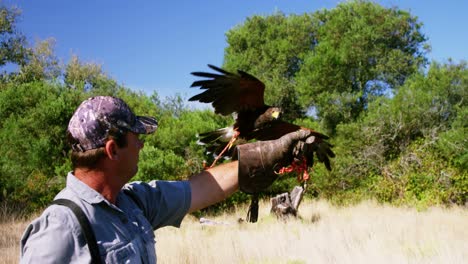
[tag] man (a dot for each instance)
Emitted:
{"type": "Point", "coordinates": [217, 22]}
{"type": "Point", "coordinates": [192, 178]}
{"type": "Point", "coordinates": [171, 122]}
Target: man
{"type": "Point", "coordinates": [104, 136]}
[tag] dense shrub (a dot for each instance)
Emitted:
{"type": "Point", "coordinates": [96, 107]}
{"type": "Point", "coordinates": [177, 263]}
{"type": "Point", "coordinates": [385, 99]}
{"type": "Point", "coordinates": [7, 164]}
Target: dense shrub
{"type": "Point", "coordinates": [412, 147]}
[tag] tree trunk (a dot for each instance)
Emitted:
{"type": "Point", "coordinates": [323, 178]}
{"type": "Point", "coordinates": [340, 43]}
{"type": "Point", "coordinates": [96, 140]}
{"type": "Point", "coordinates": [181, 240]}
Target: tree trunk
{"type": "Point", "coordinates": [286, 205]}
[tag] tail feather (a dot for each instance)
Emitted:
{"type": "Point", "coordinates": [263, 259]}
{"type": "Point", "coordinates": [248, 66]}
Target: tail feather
{"type": "Point", "coordinates": [222, 135]}
{"type": "Point", "coordinates": [215, 141]}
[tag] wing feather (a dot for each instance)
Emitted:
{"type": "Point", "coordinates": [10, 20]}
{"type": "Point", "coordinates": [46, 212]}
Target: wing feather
{"type": "Point", "coordinates": [229, 92]}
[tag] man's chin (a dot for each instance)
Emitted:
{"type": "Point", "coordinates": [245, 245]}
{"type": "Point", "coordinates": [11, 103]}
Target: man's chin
{"type": "Point", "coordinates": [133, 175]}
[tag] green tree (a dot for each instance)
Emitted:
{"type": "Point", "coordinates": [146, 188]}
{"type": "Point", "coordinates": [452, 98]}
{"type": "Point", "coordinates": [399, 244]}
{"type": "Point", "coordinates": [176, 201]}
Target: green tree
{"type": "Point", "coordinates": [12, 43]}
{"type": "Point", "coordinates": [89, 77]}
{"type": "Point", "coordinates": [32, 139]}
{"type": "Point", "coordinates": [331, 61]}
{"type": "Point", "coordinates": [363, 49]}
{"type": "Point", "coordinates": [42, 64]}
{"type": "Point", "coordinates": [412, 146]}
{"type": "Point", "coordinates": [272, 49]}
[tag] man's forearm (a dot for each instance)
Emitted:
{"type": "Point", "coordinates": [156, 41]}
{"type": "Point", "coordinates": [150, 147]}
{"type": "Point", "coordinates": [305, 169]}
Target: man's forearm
{"type": "Point", "coordinates": [213, 185]}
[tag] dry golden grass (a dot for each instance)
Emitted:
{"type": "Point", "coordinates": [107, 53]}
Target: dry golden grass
{"type": "Point", "coordinates": [365, 233]}
{"type": "Point", "coordinates": [11, 229]}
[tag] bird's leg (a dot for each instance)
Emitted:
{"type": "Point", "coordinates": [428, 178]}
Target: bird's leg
{"type": "Point", "coordinates": [228, 146]}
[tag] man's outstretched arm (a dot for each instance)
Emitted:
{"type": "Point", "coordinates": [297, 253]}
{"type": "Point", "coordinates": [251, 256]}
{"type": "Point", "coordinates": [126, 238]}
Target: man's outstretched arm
{"type": "Point", "coordinates": [213, 185]}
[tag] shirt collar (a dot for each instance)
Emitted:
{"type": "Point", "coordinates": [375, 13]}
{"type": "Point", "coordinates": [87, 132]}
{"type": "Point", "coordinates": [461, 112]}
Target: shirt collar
{"type": "Point", "coordinates": [85, 192]}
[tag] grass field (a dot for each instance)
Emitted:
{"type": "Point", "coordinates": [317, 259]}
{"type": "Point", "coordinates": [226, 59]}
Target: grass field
{"type": "Point", "coordinates": [365, 233]}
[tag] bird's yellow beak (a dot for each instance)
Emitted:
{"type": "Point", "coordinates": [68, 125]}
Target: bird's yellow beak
{"type": "Point", "coordinates": [275, 114]}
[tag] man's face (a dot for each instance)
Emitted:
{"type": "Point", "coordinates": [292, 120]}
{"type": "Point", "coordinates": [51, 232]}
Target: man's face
{"type": "Point", "coordinates": [130, 155]}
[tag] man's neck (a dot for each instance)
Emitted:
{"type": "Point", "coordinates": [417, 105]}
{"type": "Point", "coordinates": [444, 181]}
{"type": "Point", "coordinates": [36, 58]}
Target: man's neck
{"type": "Point", "coordinates": [101, 181]}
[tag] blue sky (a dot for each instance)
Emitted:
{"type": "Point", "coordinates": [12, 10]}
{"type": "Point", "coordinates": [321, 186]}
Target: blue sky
{"type": "Point", "coordinates": [154, 45]}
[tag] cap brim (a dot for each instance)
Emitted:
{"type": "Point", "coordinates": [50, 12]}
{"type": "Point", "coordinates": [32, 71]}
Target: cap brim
{"type": "Point", "coordinates": [145, 125]}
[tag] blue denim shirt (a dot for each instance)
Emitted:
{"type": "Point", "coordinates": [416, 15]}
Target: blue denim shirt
{"type": "Point", "coordinates": [124, 232]}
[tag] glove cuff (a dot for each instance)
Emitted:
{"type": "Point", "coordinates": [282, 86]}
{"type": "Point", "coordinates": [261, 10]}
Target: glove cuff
{"type": "Point", "coordinates": [256, 173]}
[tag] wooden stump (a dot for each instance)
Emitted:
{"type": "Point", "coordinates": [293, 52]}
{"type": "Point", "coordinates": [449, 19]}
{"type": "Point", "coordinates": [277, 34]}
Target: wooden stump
{"type": "Point", "coordinates": [286, 205]}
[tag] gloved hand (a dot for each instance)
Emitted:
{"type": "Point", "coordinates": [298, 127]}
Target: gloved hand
{"type": "Point", "coordinates": [260, 162]}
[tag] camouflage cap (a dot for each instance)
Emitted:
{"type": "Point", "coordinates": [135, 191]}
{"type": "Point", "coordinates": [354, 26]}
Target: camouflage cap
{"type": "Point", "coordinates": [97, 116]}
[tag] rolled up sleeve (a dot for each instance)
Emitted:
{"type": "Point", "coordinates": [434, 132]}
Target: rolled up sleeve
{"type": "Point", "coordinates": [165, 202]}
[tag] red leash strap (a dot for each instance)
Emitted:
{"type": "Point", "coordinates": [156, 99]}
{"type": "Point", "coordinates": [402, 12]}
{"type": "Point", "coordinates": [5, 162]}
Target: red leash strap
{"type": "Point", "coordinates": [300, 168]}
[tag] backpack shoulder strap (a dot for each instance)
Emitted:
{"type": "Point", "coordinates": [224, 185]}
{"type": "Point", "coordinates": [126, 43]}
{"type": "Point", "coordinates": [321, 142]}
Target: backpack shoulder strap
{"type": "Point", "coordinates": [85, 226]}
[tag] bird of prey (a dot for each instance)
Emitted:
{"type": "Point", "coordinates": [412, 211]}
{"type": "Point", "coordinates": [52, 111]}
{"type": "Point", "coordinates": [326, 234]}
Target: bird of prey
{"type": "Point", "coordinates": [243, 95]}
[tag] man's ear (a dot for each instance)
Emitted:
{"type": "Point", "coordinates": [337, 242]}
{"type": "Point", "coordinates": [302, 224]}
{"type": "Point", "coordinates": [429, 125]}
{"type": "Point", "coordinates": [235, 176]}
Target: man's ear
{"type": "Point", "coordinates": [112, 150]}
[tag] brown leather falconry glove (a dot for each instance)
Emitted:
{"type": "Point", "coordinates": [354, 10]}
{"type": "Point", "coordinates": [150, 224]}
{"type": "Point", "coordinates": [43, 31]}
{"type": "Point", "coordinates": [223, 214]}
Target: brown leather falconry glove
{"type": "Point", "coordinates": [260, 162]}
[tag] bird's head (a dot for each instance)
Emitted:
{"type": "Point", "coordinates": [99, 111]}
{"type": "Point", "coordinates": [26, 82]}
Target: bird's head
{"type": "Point", "coordinates": [271, 114]}
{"type": "Point", "coordinates": [275, 112]}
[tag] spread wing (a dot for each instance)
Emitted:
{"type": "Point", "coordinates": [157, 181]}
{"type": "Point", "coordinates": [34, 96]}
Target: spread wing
{"type": "Point", "coordinates": [229, 92]}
